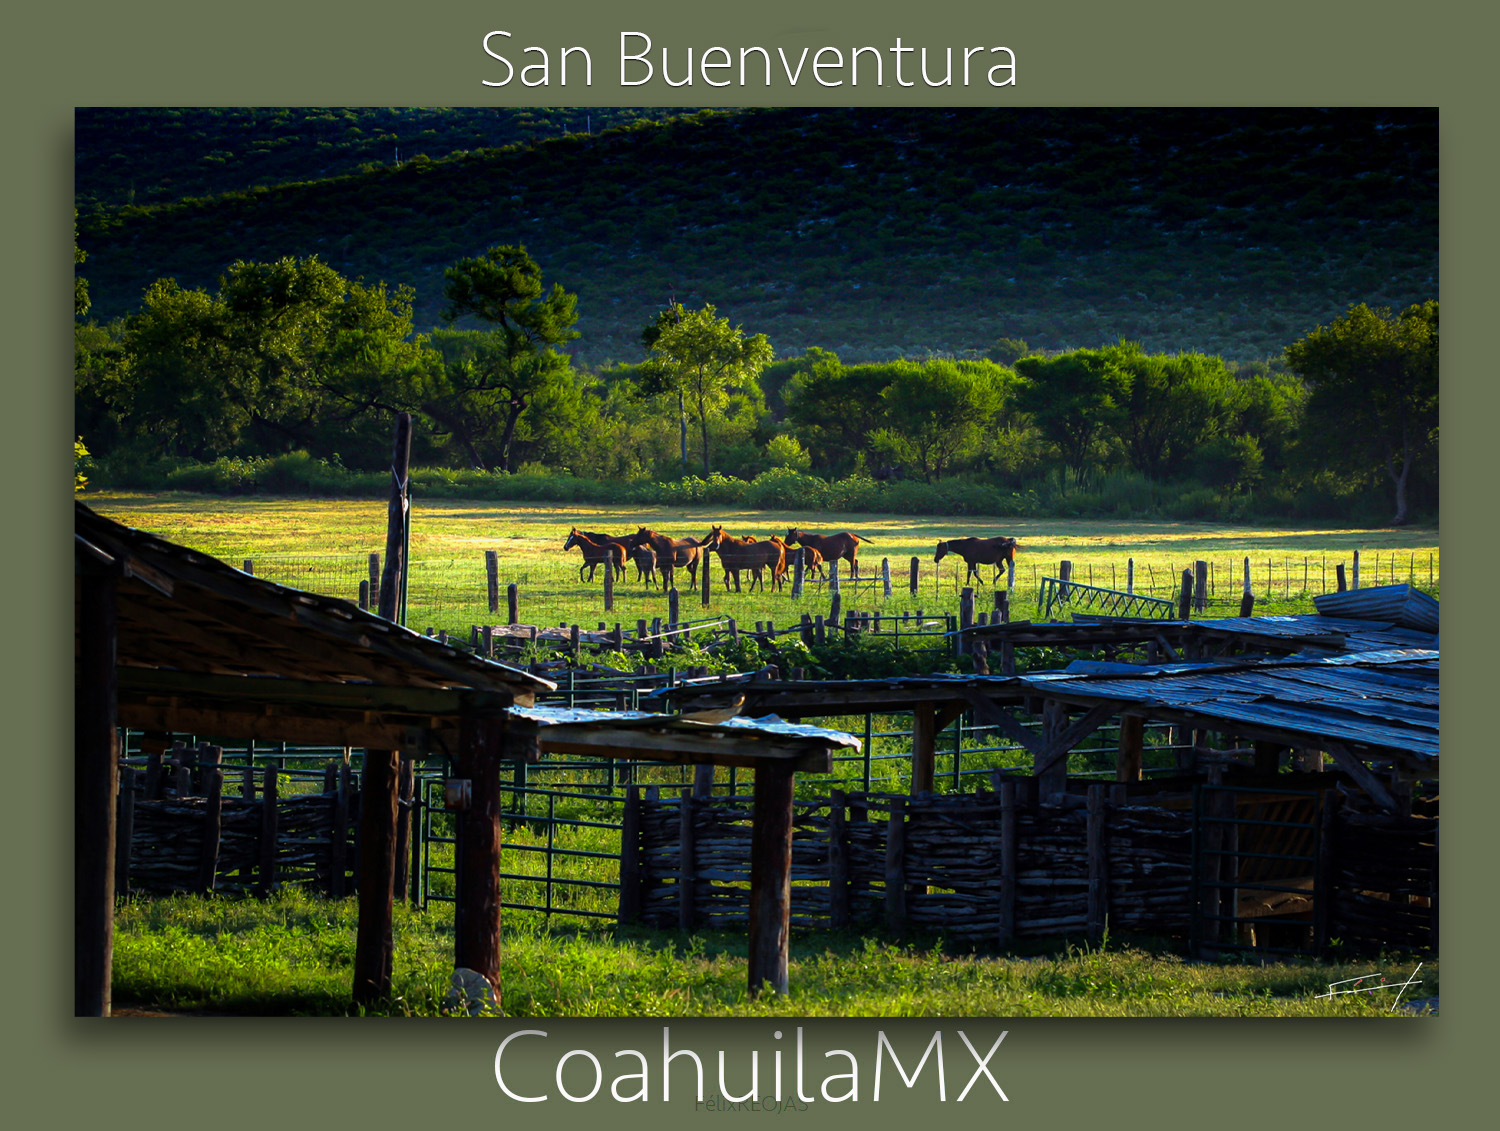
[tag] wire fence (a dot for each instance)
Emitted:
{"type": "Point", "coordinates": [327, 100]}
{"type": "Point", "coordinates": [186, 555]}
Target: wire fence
{"type": "Point", "coordinates": [453, 593]}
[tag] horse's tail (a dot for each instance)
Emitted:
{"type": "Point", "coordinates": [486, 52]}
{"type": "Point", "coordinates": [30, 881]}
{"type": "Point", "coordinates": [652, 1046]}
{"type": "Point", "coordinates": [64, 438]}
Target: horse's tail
{"type": "Point", "coordinates": [861, 538]}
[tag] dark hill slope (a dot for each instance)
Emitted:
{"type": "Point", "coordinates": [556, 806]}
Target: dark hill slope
{"type": "Point", "coordinates": [878, 232]}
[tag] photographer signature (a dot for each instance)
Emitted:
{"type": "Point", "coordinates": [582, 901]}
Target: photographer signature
{"type": "Point", "coordinates": [1358, 986]}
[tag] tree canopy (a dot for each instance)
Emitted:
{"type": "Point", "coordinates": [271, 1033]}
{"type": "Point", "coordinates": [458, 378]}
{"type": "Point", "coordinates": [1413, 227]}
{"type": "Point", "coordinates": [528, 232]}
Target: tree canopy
{"type": "Point", "coordinates": [1373, 391]}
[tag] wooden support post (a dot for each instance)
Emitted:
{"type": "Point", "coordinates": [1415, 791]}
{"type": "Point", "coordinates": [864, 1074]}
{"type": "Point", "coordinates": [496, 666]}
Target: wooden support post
{"type": "Point", "coordinates": [1339, 572]}
{"type": "Point", "coordinates": [483, 745]}
{"type": "Point", "coordinates": [1247, 603]}
{"type": "Point", "coordinates": [1130, 576]}
{"type": "Point", "coordinates": [706, 578]}
{"type": "Point", "coordinates": [1098, 855]}
{"type": "Point", "coordinates": [1009, 855]}
{"type": "Point", "coordinates": [703, 780]}
{"type": "Point", "coordinates": [895, 869]}
{"type": "Point", "coordinates": [839, 916]}
{"type": "Point", "coordinates": [1051, 780]}
{"type": "Point", "coordinates": [630, 858]}
{"type": "Point", "coordinates": [770, 876]}
{"type": "Point", "coordinates": [885, 577]}
{"type": "Point", "coordinates": [673, 613]}
{"type": "Point", "coordinates": [1132, 746]}
{"type": "Point", "coordinates": [96, 775]}
{"type": "Point", "coordinates": [916, 569]}
{"type": "Point", "coordinates": [406, 781]}
{"type": "Point", "coordinates": [799, 573]}
{"type": "Point", "coordinates": [492, 579]}
{"type": "Point", "coordinates": [687, 864]}
{"type": "Point", "coordinates": [512, 604]}
{"type": "Point", "coordinates": [833, 609]}
{"type": "Point", "coordinates": [375, 574]}
{"type": "Point", "coordinates": [265, 879]}
{"type": "Point", "coordinates": [1200, 586]}
{"type": "Point", "coordinates": [833, 575]}
{"type": "Point", "coordinates": [923, 747]}
{"type": "Point", "coordinates": [364, 594]}
{"type": "Point", "coordinates": [1354, 573]}
{"type": "Point", "coordinates": [209, 758]}
{"type": "Point", "coordinates": [374, 946]}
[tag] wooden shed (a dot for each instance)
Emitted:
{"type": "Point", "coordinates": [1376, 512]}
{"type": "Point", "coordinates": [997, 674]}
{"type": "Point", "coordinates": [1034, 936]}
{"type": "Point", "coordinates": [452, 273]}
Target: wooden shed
{"type": "Point", "coordinates": [171, 640]}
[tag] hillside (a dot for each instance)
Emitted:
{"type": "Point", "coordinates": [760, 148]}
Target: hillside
{"type": "Point", "coordinates": [872, 232]}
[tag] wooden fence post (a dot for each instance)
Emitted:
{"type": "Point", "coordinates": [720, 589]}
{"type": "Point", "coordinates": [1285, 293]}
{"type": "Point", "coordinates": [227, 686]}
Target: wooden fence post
{"type": "Point", "coordinates": [1354, 576]}
{"type": "Point", "coordinates": [799, 573]}
{"type": "Point", "coordinates": [833, 575]}
{"type": "Point", "coordinates": [213, 789]}
{"type": "Point", "coordinates": [673, 614]}
{"type": "Point", "coordinates": [965, 618]}
{"type": "Point", "coordinates": [687, 864]}
{"type": "Point", "coordinates": [1339, 571]}
{"type": "Point", "coordinates": [512, 604]}
{"type": "Point", "coordinates": [630, 857]}
{"type": "Point", "coordinates": [492, 579]}
{"type": "Point", "coordinates": [266, 873]}
{"type": "Point", "coordinates": [916, 568]}
{"type": "Point", "coordinates": [706, 578]}
{"type": "Point", "coordinates": [1098, 855]}
{"type": "Point", "coordinates": [1200, 586]}
{"type": "Point", "coordinates": [364, 594]}
{"type": "Point", "coordinates": [125, 830]}
{"type": "Point", "coordinates": [838, 861]}
{"type": "Point", "coordinates": [885, 577]}
{"type": "Point", "coordinates": [375, 573]}
{"type": "Point", "coordinates": [895, 868]}
{"type": "Point", "coordinates": [1009, 816]}
{"type": "Point", "coordinates": [1185, 596]}
{"type": "Point", "coordinates": [1130, 576]}
{"type": "Point", "coordinates": [1064, 575]}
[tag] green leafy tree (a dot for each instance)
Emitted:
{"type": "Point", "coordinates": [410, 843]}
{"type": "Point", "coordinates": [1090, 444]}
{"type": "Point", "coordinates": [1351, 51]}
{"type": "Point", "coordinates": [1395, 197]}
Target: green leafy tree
{"type": "Point", "coordinates": [1175, 404]}
{"type": "Point", "coordinates": [1373, 391]}
{"type": "Point", "coordinates": [935, 413]}
{"type": "Point", "coordinates": [488, 391]}
{"type": "Point", "coordinates": [704, 360]}
{"type": "Point", "coordinates": [1077, 401]}
{"type": "Point", "coordinates": [835, 408]}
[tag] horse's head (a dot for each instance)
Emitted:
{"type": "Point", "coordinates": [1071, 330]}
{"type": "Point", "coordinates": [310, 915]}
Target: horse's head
{"type": "Point", "coordinates": [640, 538]}
{"type": "Point", "coordinates": [793, 536]}
{"type": "Point", "coordinates": [942, 552]}
{"type": "Point", "coordinates": [715, 537]}
{"type": "Point", "coordinates": [572, 539]}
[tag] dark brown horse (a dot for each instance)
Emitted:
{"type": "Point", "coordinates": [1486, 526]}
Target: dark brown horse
{"type": "Point", "coordinates": [596, 554]}
{"type": "Point", "coordinates": [739, 554]}
{"type": "Point", "coordinates": [672, 554]}
{"type": "Point", "coordinates": [833, 547]}
{"type": "Point", "coordinates": [998, 552]}
{"type": "Point", "coordinates": [644, 559]}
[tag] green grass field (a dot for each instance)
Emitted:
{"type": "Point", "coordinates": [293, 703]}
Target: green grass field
{"type": "Point", "coordinates": [323, 545]}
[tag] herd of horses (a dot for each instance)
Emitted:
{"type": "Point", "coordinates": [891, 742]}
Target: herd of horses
{"type": "Point", "coordinates": [657, 558]}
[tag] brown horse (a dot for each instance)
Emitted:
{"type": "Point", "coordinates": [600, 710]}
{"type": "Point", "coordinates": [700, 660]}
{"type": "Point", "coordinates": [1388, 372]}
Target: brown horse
{"type": "Point", "coordinates": [596, 553]}
{"type": "Point", "coordinates": [643, 559]}
{"type": "Point", "coordinates": [997, 552]}
{"type": "Point", "coordinates": [833, 547]}
{"type": "Point", "coordinates": [672, 554]}
{"type": "Point", "coordinates": [739, 554]}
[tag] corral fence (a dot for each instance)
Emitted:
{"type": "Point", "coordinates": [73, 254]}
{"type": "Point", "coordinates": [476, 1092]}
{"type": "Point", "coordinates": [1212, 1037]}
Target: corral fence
{"type": "Point", "coordinates": [1208, 866]}
{"type": "Point", "coordinates": [475, 589]}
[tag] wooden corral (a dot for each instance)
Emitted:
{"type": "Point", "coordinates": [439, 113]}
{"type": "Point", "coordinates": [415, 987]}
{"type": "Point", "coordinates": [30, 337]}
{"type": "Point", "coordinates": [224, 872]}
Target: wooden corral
{"type": "Point", "coordinates": [169, 640]}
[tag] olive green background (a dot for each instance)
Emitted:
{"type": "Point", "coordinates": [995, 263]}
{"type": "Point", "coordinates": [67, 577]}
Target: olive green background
{"type": "Point", "coordinates": [349, 1073]}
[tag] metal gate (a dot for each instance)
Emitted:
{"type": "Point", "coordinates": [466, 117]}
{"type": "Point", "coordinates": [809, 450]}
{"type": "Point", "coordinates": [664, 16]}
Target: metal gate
{"type": "Point", "coordinates": [1255, 857]}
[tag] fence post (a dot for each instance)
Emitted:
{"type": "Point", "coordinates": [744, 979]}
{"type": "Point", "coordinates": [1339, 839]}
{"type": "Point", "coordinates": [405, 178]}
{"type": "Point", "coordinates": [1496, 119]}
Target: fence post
{"type": "Point", "coordinates": [609, 584]}
{"type": "Point", "coordinates": [266, 878]}
{"type": "Point", "coordinates": [1130, 576]}
{"type": "Point", "coordinates": [1008, 855]}
{"type": "Point", "coordinates": [1064, 575]}
{"type": "Point", "coordinates": [672, 607]}
{"type": "Point", "coordinates": [512, 604]}
{"type": "Point", "coordinates": [706, 578]}
{"type": "Point", "coordinates": [838, 861]}
{"type": "Point", "coordinates": [895, 868]}
{"type": "Point", "coordinates": [213, 790]}
{"type": "Point", "coordinates": [916, 565]}
{"type": "Point", "coordinates": [833, 575]}
{"type": "Point", "coordinates": [1339, 572]}
{"type": "Point", "coordinates": [1185, 596]}
{"type": "Point", "coordinates": [1354, 576]}
{"type": "Point", "coordinates": [1200, 586]}
{"type": "Point", "coordinates": [687, 870]}
{"type": "Point", "coordinates": [799, 572]}
{"type": "Point", "coordinates": [1098, 854]}
{"type": "Point", "coordinates": [885, 576]}
{"type": "Point", "coordinates": [833, 609]}
{"type": "Point", "coordinates": [374, 573]}
{"type": "Point", "coordinates": [630, 857]}
{"type": "Point", "coordinates": [125, 829]}
{"type": "Point", "coordinates": [965, 619]}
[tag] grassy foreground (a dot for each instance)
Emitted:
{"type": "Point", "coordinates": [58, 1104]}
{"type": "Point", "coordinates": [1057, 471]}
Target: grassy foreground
{"type": "Point", "coordinates": [294, 953]}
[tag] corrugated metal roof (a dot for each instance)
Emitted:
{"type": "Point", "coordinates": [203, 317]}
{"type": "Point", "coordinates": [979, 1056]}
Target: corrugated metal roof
{"type": "Point", "coordinates": [767, 726]}
{"type": "Point", "coordinates": [1396, 604]}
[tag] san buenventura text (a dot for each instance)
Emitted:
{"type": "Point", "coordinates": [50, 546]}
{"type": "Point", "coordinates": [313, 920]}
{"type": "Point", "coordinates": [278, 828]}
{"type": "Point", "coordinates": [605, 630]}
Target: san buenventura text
{"type": "Point", "coordinates": [770, 1082]}
{"type": "Point", "coordinates": [752, 67]}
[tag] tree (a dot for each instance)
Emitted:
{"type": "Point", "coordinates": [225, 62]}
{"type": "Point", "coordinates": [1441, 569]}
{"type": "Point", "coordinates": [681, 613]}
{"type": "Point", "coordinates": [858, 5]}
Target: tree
{"type": "Point", "coordinates": [703, 359]}
{"type": "Point", "coordinates": [935, 412]}
{"type": "Point", "coordinates": [1373, 391]}
{"type": "Point", "coordinates": [1076, 400]}
{"type": "Point", "coordinates": [835, 408]}
{"type": "Point", "coordinates": [1176, 403]}
{"type": "Point", "coordinates": [518, 357]}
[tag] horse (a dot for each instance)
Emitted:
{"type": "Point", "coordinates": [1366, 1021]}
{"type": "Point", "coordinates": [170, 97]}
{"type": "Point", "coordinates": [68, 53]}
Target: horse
{"type": "Point", "coordinates": [738, 554]}
{"type": "Point", "coordinates": [831, 546]}
{"type": "Point", "coordinates": [610, 554]}
{"type": "Point", "coordinates": [671, 553]}
{"type": "Point", "coordinates": [997, 552]}
{"type": "Point", "coordinates": [644, 560]}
